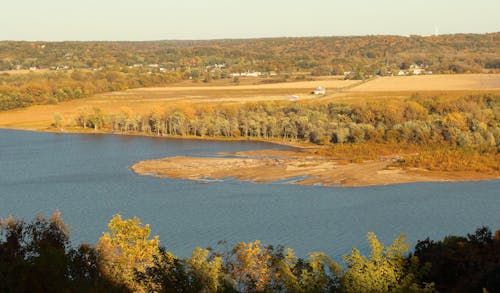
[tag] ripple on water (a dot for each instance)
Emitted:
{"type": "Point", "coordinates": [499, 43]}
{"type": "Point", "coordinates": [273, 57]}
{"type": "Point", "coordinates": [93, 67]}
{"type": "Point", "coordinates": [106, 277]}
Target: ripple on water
{"type": "Point", "coordinates": [88, 179]}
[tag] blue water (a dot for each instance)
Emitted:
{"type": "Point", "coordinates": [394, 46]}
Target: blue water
{"type": "Point", "coordinates": [87, 178]}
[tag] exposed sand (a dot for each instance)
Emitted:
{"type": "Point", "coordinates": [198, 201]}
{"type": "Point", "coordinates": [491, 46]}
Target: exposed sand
{"type": "Point", "coordinates": [299, 167]}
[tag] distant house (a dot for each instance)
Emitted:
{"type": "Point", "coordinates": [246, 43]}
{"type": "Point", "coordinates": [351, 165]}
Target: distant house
{"type": "Point", "coordinates": [214, 68]}
{"type": "Point", "coordinates": [418, 69]}
{"type": "Point", "coordinates": [254, 74]}
{"type": "Point", "coordinates": [402, 73]}
{"type": "Point", "coordinates": [248, 73]}
{"type": "Point", "coordinates": [293, 98]}
{"type": "Point", "coordinates": [33, 68]}
{"type": "Point", "coordinates": [319, 91]}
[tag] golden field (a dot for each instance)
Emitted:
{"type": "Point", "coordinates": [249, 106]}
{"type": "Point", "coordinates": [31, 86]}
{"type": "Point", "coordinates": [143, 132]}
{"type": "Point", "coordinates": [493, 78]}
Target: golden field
{"type": "Point", "coordinates": [250, 90]}
{"type": "Point", "coordinates": [427, 83]}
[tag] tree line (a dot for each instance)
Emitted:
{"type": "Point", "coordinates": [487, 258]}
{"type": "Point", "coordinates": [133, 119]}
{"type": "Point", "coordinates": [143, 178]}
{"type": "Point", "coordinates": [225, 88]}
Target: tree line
{"type": "Point", "coordinates": [38, 257]}
{"type": "Point", "coordinates": [457, 53]}
{"type": "Point", "coordinates": [95, 67]}
{"type": "Point", "coordinates": [463, 121]}
{"type": "Point", "coordinates": [23, 90]}
{"type": "Point", "coordinates": [468, 125]}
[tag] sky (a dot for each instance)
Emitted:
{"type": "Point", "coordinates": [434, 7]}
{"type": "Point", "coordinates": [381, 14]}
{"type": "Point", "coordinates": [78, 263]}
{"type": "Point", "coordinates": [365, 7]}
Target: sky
{"type": "Point", "coordinates": [136, 20]}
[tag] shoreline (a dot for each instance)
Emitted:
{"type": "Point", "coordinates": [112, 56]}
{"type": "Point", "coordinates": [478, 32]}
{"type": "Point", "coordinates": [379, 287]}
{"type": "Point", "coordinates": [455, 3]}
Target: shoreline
{"type": "Point", "coordinates": [296, 166]}
{"type": "Point", "coordinates": [291, 144]}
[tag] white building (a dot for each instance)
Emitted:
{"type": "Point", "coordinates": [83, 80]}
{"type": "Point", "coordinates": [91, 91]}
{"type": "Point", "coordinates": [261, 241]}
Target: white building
{"type": "Point", "coordinates": [248, 74]}
{"type": "Point", "coordinates": [319, 91]}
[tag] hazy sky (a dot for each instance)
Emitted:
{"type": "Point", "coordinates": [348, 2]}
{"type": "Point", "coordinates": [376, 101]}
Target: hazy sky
{"type": "Point", "coordinates": [56, 20]}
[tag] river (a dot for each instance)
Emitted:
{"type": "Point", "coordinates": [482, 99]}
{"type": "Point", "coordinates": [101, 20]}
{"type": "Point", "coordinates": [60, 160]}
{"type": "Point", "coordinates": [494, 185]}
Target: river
{"type": "Point", "coordinates": [88, 178]}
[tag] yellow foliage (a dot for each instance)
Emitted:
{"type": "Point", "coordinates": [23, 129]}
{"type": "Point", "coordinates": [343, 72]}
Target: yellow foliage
{"type": "Point", "coordinates": [127, 111]}
{"type": "Point", "coordinates": [208, 272]}
{"type": "Point", "coordinates": [456, 160]}
{"type": "Point", "coordinates": [382, 272]}
{"type": "Point", "coordinates": [252, 264]}
{"type": "Point", "coordinates": [457, 120]}
{"type": "Point", "coordinates": [126, 248]}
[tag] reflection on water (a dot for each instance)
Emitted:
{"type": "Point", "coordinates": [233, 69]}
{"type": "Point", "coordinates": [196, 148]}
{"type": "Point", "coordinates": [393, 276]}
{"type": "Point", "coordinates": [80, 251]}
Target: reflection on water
{"type": "Point", "coordinates": [87, 178]}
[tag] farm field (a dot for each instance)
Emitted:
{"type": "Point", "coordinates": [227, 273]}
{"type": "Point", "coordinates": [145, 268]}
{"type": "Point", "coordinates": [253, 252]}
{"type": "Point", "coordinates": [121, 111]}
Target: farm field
{"type": "Point", "coordinates": [345, 91]}
{"type": "Point", "coordinates": [226, 93]}
{"type": "Point", "coordinates": [457, 82]}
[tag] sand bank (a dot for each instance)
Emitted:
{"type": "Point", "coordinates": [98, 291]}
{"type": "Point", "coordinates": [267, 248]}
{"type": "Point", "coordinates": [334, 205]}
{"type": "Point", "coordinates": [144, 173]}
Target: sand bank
{"type": "Point", "coordinates": [297, 167]}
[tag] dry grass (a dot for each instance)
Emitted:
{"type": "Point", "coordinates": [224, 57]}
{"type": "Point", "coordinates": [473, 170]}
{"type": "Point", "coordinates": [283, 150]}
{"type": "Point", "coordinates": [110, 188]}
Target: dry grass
{"type": "Point", "coordinates": [223, 91]}
{"type": "Point", "coordinates": [197, 93]}
{"type": "Point", "coordinates": [273, 165]}
{"type": "Point", "coordinates": [424, 83]}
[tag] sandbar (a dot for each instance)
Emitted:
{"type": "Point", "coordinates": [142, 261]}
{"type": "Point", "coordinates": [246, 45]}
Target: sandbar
{"type": "Point", "coordinates": [296, 167]}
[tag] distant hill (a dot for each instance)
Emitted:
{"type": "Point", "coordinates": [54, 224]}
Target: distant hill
{"type": "Point", "coordinates": [363, 55]}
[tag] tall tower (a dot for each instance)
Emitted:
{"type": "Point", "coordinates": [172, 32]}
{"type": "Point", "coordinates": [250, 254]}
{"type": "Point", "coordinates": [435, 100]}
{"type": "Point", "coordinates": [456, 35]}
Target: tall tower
{"type": "Point", "coordinates": [436, 32]}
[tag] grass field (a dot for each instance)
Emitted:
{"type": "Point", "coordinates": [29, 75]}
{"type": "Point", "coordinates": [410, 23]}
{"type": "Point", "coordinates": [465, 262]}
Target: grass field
{"type": "Point", "coordinates": [422, 83]}
{"type": "Point", "coordinates": [223, 91]}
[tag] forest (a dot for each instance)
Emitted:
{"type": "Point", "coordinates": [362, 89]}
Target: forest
{"type": "Point", "coordinates": [38, 256]}
{"type": "Point", "coordinates": [367, 55]}
{"type": "Point", "coordinates": [451, 133]}
{"type": "Point", "coordinates": [23, 90]}
{"type": "Point", "coordinates": [70, 70]}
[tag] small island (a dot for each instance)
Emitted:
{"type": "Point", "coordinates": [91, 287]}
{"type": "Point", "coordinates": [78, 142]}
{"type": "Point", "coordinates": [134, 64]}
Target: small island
{"type": "Point", "coordinates": [299, 167]}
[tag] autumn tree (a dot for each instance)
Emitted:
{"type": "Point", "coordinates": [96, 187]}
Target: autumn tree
{"type": "Point", "coordinates": [386, 269]}
{"type": "Point", "coordinates": [248, 266]}
{"type": "Point", "coordinates": [206, 270]}
{"type": "Point", "coordinates": [58, 120]}
{"type": "Point", "coordinates": [127, 249]}
{"type": "Point", "coordinates": [38, 257]}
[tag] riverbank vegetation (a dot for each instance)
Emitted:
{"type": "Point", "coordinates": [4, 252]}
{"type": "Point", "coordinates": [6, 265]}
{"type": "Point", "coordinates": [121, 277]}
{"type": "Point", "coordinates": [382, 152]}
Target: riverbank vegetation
{"type": "Point", "coordinates": [38, 257]}
{"type": "Point", "coordinates": [434, 133]}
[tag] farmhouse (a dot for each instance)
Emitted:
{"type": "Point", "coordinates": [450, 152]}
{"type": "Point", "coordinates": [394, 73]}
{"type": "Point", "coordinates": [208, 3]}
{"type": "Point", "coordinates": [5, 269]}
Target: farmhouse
{"type": "Point", "coordinates": [418, 69]}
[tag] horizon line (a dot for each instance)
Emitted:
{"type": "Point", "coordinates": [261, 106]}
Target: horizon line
{"type": "Point", "coordinates": [251, 38]}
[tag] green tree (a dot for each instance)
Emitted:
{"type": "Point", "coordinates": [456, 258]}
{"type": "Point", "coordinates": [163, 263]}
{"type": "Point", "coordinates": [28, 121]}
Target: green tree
{"type": "Point", "coordinates": [386, 270]}
{"type": "Point", "coordinates": [206, 271]}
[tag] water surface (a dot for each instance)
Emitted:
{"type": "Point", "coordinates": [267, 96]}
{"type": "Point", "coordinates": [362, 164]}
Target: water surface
{"type": "Point", "coordinates": [88, 178]}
